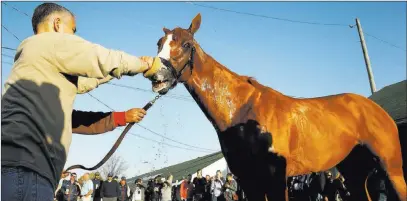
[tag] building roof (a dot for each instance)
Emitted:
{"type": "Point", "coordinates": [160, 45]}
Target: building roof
{"type": "Point", "coordinates": [182, 169]}
{"type": "Point", "coordinates": [393, 99]}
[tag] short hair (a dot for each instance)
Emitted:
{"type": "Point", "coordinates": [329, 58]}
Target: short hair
{"type": "Point", "coordinates": [42, 11]}
{"type": "Point", "coordinates": [138, 180]}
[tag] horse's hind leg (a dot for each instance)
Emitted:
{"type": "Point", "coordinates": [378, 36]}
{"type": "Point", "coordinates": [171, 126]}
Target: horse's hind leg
{"type": "Point", "coordinates": [389, 152]}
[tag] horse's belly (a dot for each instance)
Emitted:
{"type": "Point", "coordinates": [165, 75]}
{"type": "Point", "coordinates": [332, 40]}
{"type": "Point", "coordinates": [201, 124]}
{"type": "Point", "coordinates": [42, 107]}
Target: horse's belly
{"type": "Point", "coordinates": [317, 157]}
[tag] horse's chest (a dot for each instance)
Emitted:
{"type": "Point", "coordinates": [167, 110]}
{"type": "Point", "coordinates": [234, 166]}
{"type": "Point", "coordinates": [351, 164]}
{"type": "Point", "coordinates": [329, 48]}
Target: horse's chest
{"type": "Point", "coordinates": [245, 146]}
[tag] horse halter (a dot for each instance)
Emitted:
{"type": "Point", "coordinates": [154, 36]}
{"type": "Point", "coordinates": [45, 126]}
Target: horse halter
{"type": "Point", "coordinates": [116, 145]}
{"type": "Point", "coordinates": [174, 72]}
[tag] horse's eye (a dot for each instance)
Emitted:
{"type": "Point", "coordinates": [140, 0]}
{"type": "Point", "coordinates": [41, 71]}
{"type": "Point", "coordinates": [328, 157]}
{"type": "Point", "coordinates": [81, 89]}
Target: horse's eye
{"type": "Point", "coordinates": [186, 45]}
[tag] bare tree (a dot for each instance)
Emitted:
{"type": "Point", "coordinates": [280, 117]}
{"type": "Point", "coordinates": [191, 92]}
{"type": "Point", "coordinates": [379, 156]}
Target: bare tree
{"type": "Point", "coordinates": [115, 165]}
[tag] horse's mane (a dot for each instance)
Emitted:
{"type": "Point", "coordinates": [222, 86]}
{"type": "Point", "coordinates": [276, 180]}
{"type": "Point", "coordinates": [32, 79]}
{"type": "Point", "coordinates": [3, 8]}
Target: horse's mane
{"type": "Point", "coordinates": [258, 86]}
{"type": "Point", "coordinates": [253, 82]}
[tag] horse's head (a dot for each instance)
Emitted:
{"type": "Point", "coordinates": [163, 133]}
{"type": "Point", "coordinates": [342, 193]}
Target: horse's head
{"type": "Point", "coordinates": [176, 50]}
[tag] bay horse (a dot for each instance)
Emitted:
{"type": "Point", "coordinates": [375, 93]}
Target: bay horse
{"type": "Point", "coordinates": [266, 136]}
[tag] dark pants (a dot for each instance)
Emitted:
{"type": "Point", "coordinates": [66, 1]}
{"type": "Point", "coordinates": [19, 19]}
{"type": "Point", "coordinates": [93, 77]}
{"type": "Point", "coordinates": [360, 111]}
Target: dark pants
{"type": "Point", "coordinates": [21, 184]}
{"type": "Point", "coordinates": [96, 199]}
{"type": "Point", "coordinates": [198, 197]}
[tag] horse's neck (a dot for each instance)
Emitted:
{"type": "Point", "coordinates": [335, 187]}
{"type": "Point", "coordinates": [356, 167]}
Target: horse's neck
{"type": "Point", "coordinates": [219, 92]}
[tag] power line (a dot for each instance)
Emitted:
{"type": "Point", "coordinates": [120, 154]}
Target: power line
{"type": "Point", "coordinates": [11, 33]}
{"type": "Point", "coordinates": [100, 101]}
{"type": "Point", "coordinates": [174, 96]}
{"type": "Point", "coordinates": [7, 48]}
{"type": "Point", "coordinates": [265, 16]}
{"type": "Point", "coordinates": [391, 44]}
{"type": "Point", "coordinates": [163, 143]}
{"type": "Point", "coordinates": [14, 8]}
{"type": "Point", "coordinates": [7, 56]}
{"type": "Point", "coordinates": [153, 132]}
{"type": "Point", "coordinates": [7, 62]}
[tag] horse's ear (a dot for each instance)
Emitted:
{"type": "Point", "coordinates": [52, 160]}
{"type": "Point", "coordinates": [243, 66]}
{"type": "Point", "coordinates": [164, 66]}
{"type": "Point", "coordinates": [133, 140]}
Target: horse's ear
{"type": "Point", "coordinates": [166, 31]}
{"type": "Point", "coordinates": [195, 24]}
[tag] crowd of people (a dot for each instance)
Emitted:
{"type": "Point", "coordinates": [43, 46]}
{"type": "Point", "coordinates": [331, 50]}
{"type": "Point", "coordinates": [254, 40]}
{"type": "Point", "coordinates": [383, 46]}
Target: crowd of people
{"type": "Point", "coordinates": [322, 186]}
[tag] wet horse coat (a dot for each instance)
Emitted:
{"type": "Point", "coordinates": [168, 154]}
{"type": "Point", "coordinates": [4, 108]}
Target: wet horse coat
{"type": "Point", "coordinates": [267, 136]}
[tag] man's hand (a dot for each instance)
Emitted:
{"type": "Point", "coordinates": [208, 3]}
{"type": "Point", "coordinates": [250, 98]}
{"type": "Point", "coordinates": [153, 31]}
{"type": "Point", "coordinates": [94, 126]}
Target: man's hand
{"type": "Point", "coordinates": [134, 115]}
{"type": "Point", "coordinates": [149, 60]}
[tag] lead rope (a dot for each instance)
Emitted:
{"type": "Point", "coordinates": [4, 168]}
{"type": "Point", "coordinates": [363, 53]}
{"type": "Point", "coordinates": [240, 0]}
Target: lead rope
{"type": "Point", "coordinates": [116, 144]}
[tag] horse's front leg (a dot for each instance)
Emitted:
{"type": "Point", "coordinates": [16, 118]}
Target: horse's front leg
{"type": "Point", "coordinates": [276, 170]}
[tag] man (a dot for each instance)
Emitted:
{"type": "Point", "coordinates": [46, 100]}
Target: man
{"type": "Point", "coordinates": [187, 189]}
{"type": "Point", "coordinates": [97, 182]}
{"type": "Point", "coordinates": [216, 187]}
{"type": "Point", "coordinates": [124, 190]}
{"type": "Point", "coordinates": [116, 178]}
{"type": "Point", "coordinates": [110, 189]}
{"type": "Point", "coordinates": [138, 191]}
{"type": "Point", "coordinates": [87, 188]}
{"type": "Point", "coordinates": [155, 189]}
{"type": "Point", "coordinates": [199, 186]}
{"type": "Point", "coordinates": [207, 195]}
{"type": "Point", "coordinates": [70, 189]}
{"type": "Point", "coordinates": [64, 177]}
{"type": "Point", "coordinates": [50, 68]}
{"type": "Point", "coordinates": [166, 189]}
{"type": "Point", "coordinates": [230, 188]}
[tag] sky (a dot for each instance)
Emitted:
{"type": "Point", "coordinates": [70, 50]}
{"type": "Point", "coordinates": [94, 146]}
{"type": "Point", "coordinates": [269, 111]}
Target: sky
{"type": "Point", "coordinates": [297, 59]}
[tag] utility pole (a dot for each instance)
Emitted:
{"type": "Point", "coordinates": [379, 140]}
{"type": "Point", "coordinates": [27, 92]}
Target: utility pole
{"type": "Point", "coordinates": [366, 56]}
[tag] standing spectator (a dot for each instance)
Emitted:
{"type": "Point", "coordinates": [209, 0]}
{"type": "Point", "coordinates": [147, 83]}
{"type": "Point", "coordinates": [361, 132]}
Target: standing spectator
{"type": "Point", "coordinates": [333, 188]}
{"type": "Point", "coordinates": [166, 189]}
{"type": "Point", "coordinates": [199, 186]}
{"type": "Point", "coordinates": [64, 177]}
{"type": "Point", "coordinates": [207, 195]}
{"type": "Point", "coordinates": [138, 191]}
{"type": "Point", "coordinates": [149, 190]}
{"type": "Point", "coordinates": [216, 187]}
{"type": "Point", "coordinates": [97, 183]}
{"type": "Point", "coordinates": [187, 189]}
{"type": "Point", "coordinates": [156, 189]}
{"type": "Point", "coordinates": [124, 190]}
{"type": "Point", "coordinates": [110, 189]}
{"type": "Point", "coordinates": [177, 192]}
{"type": "Point", "coordinates": [70, 189]}
{"type": "Point", "coordinates": [87, 188]}
{"type": "Point", "coordinates": [229, 188]}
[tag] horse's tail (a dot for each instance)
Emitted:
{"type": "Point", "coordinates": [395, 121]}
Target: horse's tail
{"type": "Point", "coordinates": [366, 190]}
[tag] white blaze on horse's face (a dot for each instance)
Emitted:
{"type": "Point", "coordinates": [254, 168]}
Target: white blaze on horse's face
{"type": "Point", "coordinates": [166, 50]}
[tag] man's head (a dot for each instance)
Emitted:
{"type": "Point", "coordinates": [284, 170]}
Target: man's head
{"type": "Point", "coordinates": [86, 177]}
{"type": "Point", "coordinates": [218, 174]}
{"type": "Point", "coordinates": [199, 173]}
{"type": "Point", "coordinates": [97, 175]}
{"type": "Point", "coordinates": [110, 177]}
{"type": "Point", "coordinates": [328, 175]}
{"type": "Point", "coordinates": [51, 17]}
{"type": "Point", "coordinates": [139, 181]}
{"type": "Point", "coordinates": [74, 176]}
{"type": "Point", "coordinates": [189, 177]}
{"type": "Point", "coordinates": [208, 178]}
{"type": "Point", "coordinates": [123, 181]}
{"type": "Point", "coordinates": [229, 176]}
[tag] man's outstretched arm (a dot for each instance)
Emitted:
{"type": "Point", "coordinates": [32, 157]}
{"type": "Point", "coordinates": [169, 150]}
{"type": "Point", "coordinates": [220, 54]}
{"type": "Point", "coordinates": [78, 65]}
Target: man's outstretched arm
{"type": "Point", "coordinates": [76, 56]}
{"type": "Point", "coordinates": [90, 123]}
